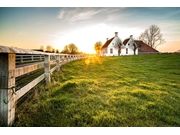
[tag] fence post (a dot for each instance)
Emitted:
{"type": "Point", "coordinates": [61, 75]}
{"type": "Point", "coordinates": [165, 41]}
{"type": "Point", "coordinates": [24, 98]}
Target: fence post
{"type": "Point", "coordinates": [32, 58]}
{"type": "Point", "coordinates": [62, 60]}
{"type": "Point", "coordinates": [58, 62]}
{"type": "Point", "coordinates": [7, 89]}
{"type": "Point", "coordinates": [47, 68]}
{"type": "Point", "coordinates": [21, 57]}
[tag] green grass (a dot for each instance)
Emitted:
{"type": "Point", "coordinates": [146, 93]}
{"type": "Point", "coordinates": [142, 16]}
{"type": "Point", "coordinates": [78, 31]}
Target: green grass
{"type": "Point", "coordinates": [133, 91]}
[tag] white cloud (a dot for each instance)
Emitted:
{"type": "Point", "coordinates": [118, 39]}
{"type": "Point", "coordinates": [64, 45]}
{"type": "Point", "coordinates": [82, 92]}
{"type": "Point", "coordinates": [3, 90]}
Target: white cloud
{"type": "Point", "coordinates": [84, 15]}
{"type": "Point", "coordinates": [61, 14]}
{"type": "Point", "coordinates": [76, 14]}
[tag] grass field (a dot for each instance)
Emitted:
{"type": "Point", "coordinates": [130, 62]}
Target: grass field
{"type": "Point", "coordinates": [133, 91]}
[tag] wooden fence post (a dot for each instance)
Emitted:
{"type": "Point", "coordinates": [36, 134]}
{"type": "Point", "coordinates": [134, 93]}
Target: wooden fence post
{"type": "Point", "coordinates": [21, 57]}
{"type": "Point", "coordinates": [62, 60]}
{"type": "Point", "coordinates": [47, 68]}
{"type": "Point", "coordinates": [58, 62]}
{"type": "Point", "coordinates": [7, 89]}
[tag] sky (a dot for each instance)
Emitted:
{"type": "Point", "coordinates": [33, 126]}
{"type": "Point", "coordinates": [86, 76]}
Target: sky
{"type": "Point", "coordinates": [32, 27]}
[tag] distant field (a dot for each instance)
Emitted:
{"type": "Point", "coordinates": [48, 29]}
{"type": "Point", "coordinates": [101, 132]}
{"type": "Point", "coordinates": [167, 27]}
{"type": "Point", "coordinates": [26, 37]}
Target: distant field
{"type": "Point", "coordinates": [134, 91]}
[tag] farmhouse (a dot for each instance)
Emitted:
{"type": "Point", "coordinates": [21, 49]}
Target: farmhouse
{"type": "Point", "coordinates": [115, 47]}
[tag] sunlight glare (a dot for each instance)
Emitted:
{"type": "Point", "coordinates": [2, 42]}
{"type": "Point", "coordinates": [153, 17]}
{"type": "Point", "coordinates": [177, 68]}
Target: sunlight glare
{"type": "Point", "coordinates": [86, 37]}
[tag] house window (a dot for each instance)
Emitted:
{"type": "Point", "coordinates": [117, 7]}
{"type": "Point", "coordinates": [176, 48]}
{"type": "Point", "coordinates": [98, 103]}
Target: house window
{"type": "Point", "coordinates": [126, 50]}
{"type": "Point", "coordinates": [111, 50]}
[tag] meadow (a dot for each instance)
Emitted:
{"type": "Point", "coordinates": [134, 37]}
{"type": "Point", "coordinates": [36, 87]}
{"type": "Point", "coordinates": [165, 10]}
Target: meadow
{"type": "Point", "coordinates": [126, 91]}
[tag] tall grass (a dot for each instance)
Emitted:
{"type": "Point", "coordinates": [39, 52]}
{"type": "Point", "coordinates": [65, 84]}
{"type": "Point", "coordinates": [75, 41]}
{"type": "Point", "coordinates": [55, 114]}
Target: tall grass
{"type": "Point", "coordinates": [133, 91]}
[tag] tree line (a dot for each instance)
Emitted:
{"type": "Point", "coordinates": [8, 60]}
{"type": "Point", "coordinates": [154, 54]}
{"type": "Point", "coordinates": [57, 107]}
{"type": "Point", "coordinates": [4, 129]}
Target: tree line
{"type": "Point", "coordinates": [68, 49]}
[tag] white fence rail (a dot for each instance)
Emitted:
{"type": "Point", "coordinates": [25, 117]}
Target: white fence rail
{"type": "Point", "coordinates": [9, 59]}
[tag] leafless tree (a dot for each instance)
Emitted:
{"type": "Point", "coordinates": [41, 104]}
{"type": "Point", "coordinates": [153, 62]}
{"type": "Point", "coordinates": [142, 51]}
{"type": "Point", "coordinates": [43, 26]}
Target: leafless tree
{"type": "Point", "coordinates": [65, 50]}
{"type": "Point", "coordinates": [152, 36]}
{"type": "Point", "coordinates": [71, 48]}
{"type": "Point", "coordinates": [118, 45]}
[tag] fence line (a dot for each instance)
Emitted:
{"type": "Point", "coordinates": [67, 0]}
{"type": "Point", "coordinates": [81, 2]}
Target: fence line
{"type": "Point", "coordinates": [10, 58]}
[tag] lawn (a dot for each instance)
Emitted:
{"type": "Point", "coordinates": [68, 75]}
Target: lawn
{"type": "Point", "coordinates": [133, 91]}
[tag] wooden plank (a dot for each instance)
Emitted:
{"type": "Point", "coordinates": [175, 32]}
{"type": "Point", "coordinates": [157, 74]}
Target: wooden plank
{"type": "Point", "coordinates": [54, 68]}
{"type": "Point", "coordinates": [28, 87]}
{"type": "Point", "coordinates": [24, 70]}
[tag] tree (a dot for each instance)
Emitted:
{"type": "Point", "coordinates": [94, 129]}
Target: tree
{"type": "Point", "coordinates": [152, 36]}
{"type": "Point", "coordinates": [42, 48]}
{"type": "Point", "coordinates": [53, 50]}
{"type": "Point", "coordinates": [49, 48]}
{"type": "Point", "coordinates": [57, 51]}
{"type": "Point", "coordinates": [65, 50]}
{"type": "Point", "coordinates": [118, 45]}
{"type": "Point", "coordinates": [97, 47]}
{"type": "Point", "coordinates": [71, 48]}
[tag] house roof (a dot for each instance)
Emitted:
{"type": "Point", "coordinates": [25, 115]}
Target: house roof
{"type": "Point", "coordinates": [125, 41]}
{"type": "Point", "coordinates": [107, 43]}
{"type": "Point", "coordinates": [143, 47]}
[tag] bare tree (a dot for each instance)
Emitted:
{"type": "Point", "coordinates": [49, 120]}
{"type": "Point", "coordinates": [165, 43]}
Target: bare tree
{"type": "Point", "coordinates": [71, 48]}
{"type": "Point", "coordinates": [118, 45]}
{"type": "Point", "coordinates": [65, 50]}
{"type": "Point", "coordinates": [97, 47]}
{"type": "Point", "coordinates": [152, 36]}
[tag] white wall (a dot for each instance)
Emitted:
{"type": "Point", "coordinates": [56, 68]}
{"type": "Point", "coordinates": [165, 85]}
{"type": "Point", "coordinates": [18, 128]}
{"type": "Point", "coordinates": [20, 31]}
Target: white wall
{"type": "Point", "coordinates": [113, 45]}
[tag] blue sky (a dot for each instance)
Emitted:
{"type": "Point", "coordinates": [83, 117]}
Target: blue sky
{"type": "Point", "coordinates": [31, 27]}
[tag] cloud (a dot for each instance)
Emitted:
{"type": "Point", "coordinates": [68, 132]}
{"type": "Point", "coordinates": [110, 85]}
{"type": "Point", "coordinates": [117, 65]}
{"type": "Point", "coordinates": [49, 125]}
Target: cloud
{"type": "Point", "coordinates": [61, 14]}
{"type": "Point", "coordinates": [81, 13]}
{"type": "Point", "coordinates": [84, 15]}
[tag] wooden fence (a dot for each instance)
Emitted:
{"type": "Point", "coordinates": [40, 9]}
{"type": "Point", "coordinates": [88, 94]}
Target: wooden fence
{"type": "Point", "coordinates": [9, 71]}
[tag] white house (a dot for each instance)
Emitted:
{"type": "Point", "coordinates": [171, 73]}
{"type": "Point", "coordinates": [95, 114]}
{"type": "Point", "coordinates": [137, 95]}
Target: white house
{"type": "Point", "coordinates": [115, 47]}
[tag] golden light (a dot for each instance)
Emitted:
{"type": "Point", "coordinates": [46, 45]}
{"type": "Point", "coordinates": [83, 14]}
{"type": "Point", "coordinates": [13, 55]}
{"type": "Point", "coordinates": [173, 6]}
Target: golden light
{"type": "Point", "coordinates": [86, 37]}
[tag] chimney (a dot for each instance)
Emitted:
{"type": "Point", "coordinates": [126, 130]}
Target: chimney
{"type": "Point", "coordinates": [116, 34]}
{"type": "Point", "coordinates": [107, 39]}
{"type": "Point", "coordinates": [131, 36]}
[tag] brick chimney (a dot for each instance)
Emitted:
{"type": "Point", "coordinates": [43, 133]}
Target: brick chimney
{"type": "Point", "coordinates": [116, 34]}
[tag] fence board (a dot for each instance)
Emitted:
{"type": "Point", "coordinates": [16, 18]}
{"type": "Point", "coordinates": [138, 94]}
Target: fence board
{"type": "Point", "coordinates": [28, 87]}
{"type": "Point", "coordinates": [54, 68]}
{"type": "Point", "coordinates": [24, 70]}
